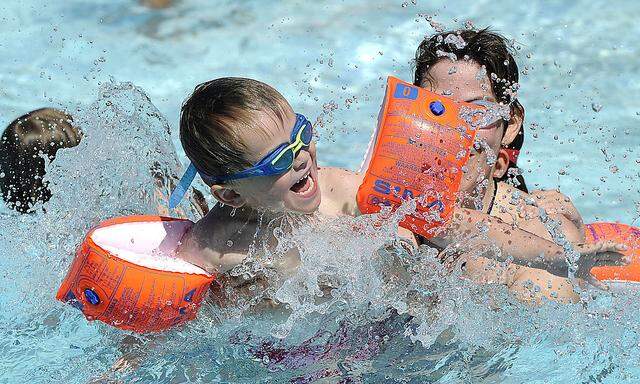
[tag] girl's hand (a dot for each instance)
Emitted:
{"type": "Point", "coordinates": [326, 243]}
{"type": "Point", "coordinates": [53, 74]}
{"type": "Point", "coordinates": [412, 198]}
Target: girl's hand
{"type": "Point", "coordinates": [603, 253]}
{"type": "Point", "coordinates": [555, 203]}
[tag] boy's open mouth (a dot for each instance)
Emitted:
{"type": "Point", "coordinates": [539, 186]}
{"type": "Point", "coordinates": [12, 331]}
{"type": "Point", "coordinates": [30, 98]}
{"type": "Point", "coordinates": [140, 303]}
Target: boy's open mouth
{"type": "Point", "coordinates": [306, 186]}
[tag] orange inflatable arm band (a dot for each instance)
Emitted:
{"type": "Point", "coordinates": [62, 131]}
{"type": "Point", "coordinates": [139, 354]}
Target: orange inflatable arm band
{"type": "Point", "coordinates": [125, 275]}
{"type": "Point", "coordinates": [620, 233]}
{"type": "Point", "coordinates": [417, 152]}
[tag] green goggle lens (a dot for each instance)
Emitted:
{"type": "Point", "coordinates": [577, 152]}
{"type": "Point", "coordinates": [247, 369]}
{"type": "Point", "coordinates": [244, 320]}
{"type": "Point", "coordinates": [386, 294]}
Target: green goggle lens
{"type": "Point", "coordinates": [285, 160]}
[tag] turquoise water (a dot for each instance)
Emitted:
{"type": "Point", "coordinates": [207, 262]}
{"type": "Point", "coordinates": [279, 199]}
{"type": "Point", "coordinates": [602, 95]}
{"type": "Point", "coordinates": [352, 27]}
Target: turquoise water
{"type": "Point", "coordinates": [330, 60]}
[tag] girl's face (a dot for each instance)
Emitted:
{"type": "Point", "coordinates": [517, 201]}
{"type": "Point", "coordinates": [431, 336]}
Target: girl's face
{"type": "Point", "coordinates": [295, 190]}
{"type": "Point", "coordinates": [466, 81]}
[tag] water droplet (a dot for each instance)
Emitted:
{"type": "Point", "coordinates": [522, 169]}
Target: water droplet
{"type": "Point", "coordinates": [229, 243]}
{"type": "Point", "coordinates": [596, 107]}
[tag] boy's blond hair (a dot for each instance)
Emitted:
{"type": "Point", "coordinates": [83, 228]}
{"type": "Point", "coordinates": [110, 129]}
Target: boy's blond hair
{"type": "Point", "coordinates": [216, 112]}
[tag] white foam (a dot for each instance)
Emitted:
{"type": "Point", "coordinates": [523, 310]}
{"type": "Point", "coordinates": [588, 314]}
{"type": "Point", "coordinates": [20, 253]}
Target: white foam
{"type": "Point", "coordinates": [148, 244]}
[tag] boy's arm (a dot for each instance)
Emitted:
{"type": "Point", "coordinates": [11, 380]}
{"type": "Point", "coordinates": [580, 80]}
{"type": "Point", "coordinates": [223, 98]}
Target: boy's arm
{"type": "Point", "coordinates": [339, 188]}
{"type": "Point", "coordinates": [211, 260]}
{"type": "Point", "coordinates": [525, 248]}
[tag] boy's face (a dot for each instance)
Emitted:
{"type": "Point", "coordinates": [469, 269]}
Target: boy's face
{"type": "Point", "coordinates": [465, 81]}
{"type": "Point", "coordinates": [295, 190]}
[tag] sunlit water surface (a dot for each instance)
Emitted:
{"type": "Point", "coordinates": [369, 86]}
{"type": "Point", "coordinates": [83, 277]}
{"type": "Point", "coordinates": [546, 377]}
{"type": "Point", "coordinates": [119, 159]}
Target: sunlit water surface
{"type": "Point", "coordinates": [392, 316]}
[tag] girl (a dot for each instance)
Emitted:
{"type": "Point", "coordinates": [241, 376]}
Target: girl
{"type": "Point", "coordinates": [474, 65]}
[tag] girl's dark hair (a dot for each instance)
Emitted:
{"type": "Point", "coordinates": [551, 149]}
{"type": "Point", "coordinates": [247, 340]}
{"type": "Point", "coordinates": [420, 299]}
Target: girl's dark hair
{"type": "Point", "coordinates": [23, 146]}
{"type": "Point", "coordinates": [216, 112]}
{"type": "Point", "coordinates": [487, 49]}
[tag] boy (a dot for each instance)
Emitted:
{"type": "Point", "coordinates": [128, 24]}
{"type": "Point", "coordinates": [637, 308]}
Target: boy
{"type": "Point", "coordinates": [226, 127]}
{"type": "Point", "coordinates": [259, 160]}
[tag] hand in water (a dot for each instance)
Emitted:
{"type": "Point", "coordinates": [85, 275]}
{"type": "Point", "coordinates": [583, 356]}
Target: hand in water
{"type": "Point", "coordinates": [600, 254]}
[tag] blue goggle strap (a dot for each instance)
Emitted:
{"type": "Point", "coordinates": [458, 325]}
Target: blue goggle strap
{"type": "Point", "coordinates": [183, 186]}
{"type": "Point", "coordinates": [187, 178]}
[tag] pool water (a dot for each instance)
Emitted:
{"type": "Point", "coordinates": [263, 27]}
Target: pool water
{"type": "Point", "coordinates": [123, 71]}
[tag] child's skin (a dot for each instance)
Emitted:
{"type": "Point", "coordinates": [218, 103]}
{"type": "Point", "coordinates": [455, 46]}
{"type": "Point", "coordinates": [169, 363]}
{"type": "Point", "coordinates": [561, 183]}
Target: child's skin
{"type": "Point", "coordinates": [222, 239]}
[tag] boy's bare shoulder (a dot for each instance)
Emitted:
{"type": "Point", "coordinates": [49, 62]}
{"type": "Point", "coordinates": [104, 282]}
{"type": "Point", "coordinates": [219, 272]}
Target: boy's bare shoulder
{"type": "Point", "coordinates": [338, 187]}
{"type": "Point", "coordinates": [210, 244]}
{"type": "Point", "coordinates": [339, 177]}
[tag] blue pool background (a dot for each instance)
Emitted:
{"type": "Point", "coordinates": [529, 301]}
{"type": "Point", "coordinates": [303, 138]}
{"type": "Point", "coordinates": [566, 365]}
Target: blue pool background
{"type": "Point", "coordinates": [330, 59]}
{"type": "Point", "coordinates": [582, 53]}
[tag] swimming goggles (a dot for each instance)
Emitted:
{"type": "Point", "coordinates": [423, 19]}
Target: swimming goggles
{"type": "Point", "coordinates": [276, 162]}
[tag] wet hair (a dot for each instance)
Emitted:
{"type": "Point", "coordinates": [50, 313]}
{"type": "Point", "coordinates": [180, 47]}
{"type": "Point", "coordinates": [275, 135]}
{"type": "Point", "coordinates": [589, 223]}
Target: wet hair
{"type": "Point", "coordinates": [214, 115]}
{"type": "Point", "coordinates": [488, 49]}
{"type": "Point", "coordinates": [24, 145]}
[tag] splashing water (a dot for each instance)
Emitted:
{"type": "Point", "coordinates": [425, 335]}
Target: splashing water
{"type": "Point", "coordinates": [362, 308]}
{"type": "Point", "coordinates": [361, 305]}
{"type": "Point", "coordinates": [455, 40]}
{"type": "Point", "coordinates": [478, 118]}
{"type": "Point", "coordinates": [113, 171]}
